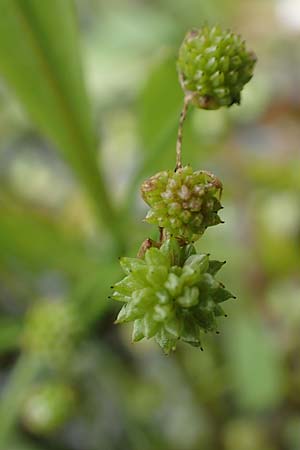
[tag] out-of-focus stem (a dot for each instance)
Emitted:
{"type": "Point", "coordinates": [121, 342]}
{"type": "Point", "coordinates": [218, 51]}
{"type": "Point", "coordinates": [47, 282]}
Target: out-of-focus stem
{"type": "Point", "coordinates": [14, 394]}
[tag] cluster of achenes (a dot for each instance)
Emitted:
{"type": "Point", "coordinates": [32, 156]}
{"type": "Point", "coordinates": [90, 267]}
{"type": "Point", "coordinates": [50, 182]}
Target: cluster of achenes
{"type": "Point", "coordinates": [184, 202]}
{"type": "Point", "coordinates": [170, 291]}
{"type": "Point", "coordinates": [214, 65]}
{"type": "Point", "coordinates": [171, 294]}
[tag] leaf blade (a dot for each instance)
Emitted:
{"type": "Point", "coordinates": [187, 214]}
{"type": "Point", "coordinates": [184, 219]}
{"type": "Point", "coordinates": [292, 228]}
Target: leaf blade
{"type": "Point", "coordinates": [47, 78]}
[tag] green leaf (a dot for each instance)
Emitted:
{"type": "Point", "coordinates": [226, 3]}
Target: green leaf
{"type": "Point", "coordinates": [39, 58]}
{"type": "Point", "coordinates": [159, 108]}
{"type": "Point", "coordinates": [10, 331]}
{"type": "Point", "coordinates": [254, 364]}
{"type": "Point", "coordinates": [90, 294]}
{"type": "Point", "coordinates": [160, 103]}
{"type": "Point", "coordinates": [39, 243]}
{"type": "Point", "coordinates": [19, 442]}
{"type": "Point", "coordinates": [14, 394]}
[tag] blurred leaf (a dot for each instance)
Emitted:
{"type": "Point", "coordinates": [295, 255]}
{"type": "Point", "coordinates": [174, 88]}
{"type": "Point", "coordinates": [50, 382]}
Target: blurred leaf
{"type": "Point", "coordinates": [275, 175]}
{"type": "Point", "coordinates": [159, 108]}
{"type": "Point", "coordinates": [160, 103]}
{"type": "Point", "coordinates": [21, 443]}
{"type": "Point", "coordinates": [90, 295]}
{"type": "Point", "coordinates": [278, 219]}
{"type": "Point", "coordinates": [47, 77]}
{"type": "Point", "coordinates": [10, 330]}
{"type": "Point", "coordinates": [193, 13]}
{"type": "Point", "coordinates": [292, 432]}
{"type": "Point", "coordinates": [40, 243]}
{"type": "Point", "coordinates": [14, 394]}
{"type": "Point", "coordinates": [243, 434]}
{"type": "Point", "coordinates": [254, 364]}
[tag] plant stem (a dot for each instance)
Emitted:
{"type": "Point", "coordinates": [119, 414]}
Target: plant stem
{"type": "Point", "coordinates": [183, 115]}
{"type": "Point", "coordinates": [14, 394]}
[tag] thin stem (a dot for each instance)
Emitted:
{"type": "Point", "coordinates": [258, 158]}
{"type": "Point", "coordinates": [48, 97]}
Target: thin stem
{"type": "Point", "coordinates": [152, 156]}
{"type": "Point", "coordinates": [183, 115]}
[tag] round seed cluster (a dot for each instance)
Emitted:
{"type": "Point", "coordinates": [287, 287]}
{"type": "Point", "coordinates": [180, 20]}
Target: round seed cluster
{"type": "Point", "coordinates": [50, 332]}
{"type": "Point", "coordinates": [184, 202]}
{"type": "Point", "coordinates": [213, 66]}
{"type": "Point", "coordinates": [48, 407]}
{"type": "Point", "coordinates": [171, 295]}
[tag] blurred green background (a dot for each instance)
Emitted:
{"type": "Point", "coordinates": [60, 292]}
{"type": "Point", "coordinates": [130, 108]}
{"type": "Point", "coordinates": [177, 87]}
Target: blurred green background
{"type": "Point", "coordinates": [89, 105]}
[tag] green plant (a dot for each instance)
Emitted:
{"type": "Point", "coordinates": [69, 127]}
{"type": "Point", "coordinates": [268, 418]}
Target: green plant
{"type": "Point", "coordinates": [169, 291]}
{"type": "Point", "coordinates": [182, 298]}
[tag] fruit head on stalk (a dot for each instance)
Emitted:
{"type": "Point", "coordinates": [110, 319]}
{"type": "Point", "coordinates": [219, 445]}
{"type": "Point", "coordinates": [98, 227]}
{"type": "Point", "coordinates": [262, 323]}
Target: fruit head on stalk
{"type": "Point", "coordinates": [171, 294]}
{"type": "Point", "coordinates": [184, 202]}
{"type": "Point", "coordinates": [214, 65]}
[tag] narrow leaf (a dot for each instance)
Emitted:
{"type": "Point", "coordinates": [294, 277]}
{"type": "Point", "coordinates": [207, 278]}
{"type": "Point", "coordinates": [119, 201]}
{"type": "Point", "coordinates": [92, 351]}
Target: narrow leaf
{"type": "Point", "coordinates": [39, 58]}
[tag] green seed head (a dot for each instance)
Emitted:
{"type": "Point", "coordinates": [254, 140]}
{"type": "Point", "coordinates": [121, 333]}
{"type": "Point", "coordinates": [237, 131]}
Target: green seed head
{"type": "Point", "coordinates": [213, 66]}
{"type": "Point", "coordinates": [50, 333]}
{"type": "Point", "coordinates": [184, 202]}
{"type": "Point", "coordinates": [47, 407]}
{"type": "Point", "coordinates": [171, 294]}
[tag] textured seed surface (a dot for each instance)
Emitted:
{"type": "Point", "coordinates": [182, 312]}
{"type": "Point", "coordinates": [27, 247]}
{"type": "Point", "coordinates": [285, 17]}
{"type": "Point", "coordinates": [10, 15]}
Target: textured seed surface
{"type": "Point", "coordinates": [213, 66]}
{"type": "Point", "coordinates": [184, 202]}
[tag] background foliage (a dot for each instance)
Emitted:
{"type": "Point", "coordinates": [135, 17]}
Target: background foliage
{"type": "Point", "coordinates": [89, 104]}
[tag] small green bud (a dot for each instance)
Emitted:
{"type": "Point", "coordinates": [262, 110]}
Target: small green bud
{"type": "Point", "coordinates": [213, 66]}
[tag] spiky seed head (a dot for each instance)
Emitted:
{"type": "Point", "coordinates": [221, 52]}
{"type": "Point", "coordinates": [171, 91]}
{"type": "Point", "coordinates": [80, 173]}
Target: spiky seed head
{"type": "Point", "coordinates": [171, 294]}
{"type": "Point", "coordinates": [213, 66]}
{"type": "Point", "coordinates": [184, 202]}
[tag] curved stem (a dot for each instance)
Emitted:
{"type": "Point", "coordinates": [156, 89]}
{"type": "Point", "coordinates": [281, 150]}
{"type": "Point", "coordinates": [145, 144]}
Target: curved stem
{"type": "Point", "coordinates": [183, 115]}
